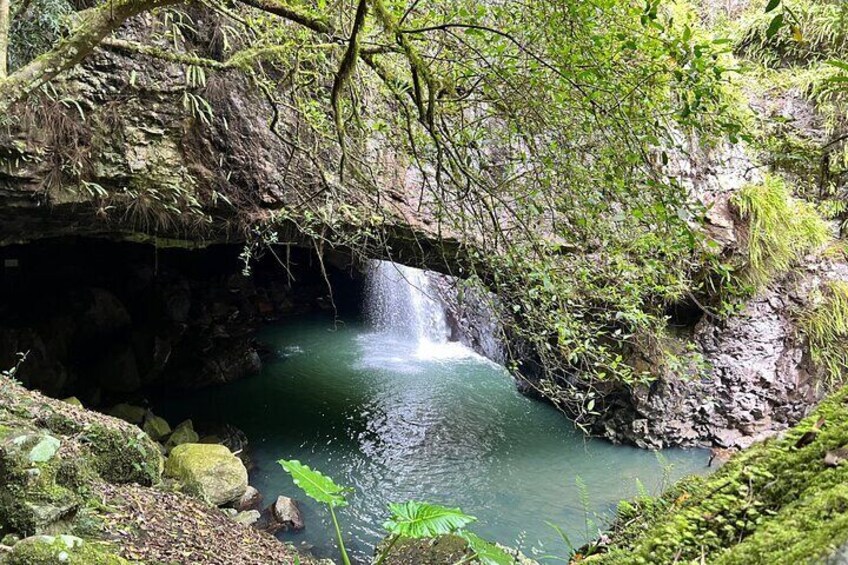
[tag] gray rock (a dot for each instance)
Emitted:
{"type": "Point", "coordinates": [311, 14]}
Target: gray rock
{"type": "Point", "coordinates": [759, 381]}
{"type": "Point", "coordinates": [251, 499]}
{"type": "Point", "coordinates": [284, 515]}
{"type": "Point", "coordinates": [247, 517]}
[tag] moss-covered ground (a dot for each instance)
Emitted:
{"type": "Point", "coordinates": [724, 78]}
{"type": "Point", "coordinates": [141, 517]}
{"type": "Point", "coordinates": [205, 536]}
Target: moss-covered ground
{"type": "Point", "coordinates": [776, 503]}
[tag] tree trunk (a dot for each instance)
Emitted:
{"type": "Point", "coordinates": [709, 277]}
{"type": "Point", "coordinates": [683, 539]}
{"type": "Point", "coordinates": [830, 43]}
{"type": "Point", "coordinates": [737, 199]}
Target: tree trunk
{"type": "Point", "coordinates": [95, 24]}
{"type": "Point", "coordinates": [4, 38]}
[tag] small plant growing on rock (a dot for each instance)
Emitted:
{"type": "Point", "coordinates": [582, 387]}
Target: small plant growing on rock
{"type": "Point", "coordinates": [408, 520]}
{"type": "Point", "coordinates": [320, 488]}
{"type": "Point", "coordinates": [10, 373]}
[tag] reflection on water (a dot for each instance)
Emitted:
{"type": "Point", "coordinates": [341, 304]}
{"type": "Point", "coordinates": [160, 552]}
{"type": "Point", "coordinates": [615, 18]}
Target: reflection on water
{"type": "Point", "coordinates": [448, 427]}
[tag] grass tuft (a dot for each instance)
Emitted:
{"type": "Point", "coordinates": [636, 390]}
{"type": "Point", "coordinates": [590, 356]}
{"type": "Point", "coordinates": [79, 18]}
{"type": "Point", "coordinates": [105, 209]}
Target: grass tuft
{"type": "Point", "coordinates": [781, 229]}
{"type": "Point", "coordinates": [825, 326]}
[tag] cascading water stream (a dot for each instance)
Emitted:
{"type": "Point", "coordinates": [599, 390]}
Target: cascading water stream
{"type": "Point", "coordinates": [402, 302]}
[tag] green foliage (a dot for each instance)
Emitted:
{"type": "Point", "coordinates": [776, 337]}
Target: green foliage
{"type": "Point", "coordinates": [800, 31]}
{"type": "Point", "coordinates": [774, 503]}
{"type": "Point", "coordinates": [825, 325]}
{"type": "Point", "coordinates": [421, 520]}
{"type": "Point", "coordinates": [781, 229]}
{"type": "Point", "coordinates": [322, 489]}
{"type": "Point", "coordinates": [486, 552]}
{"type": "Point", "coordinates": [315, 485]}
{"type": "Point", "coordinates": [408, 520]}
{"type": "Point", "coordinates": [545, 136]}
{"type": "Point", "coordinates": [36, 29]}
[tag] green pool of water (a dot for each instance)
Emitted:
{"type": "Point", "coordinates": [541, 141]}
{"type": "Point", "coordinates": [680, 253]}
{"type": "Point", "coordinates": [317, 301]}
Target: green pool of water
{"type": "Point", "coordinates": [398, 421]}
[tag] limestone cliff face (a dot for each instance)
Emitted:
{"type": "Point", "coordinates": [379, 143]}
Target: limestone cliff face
{"type": "Point", "coordinates": [759, 378]}
{"type": "Point", "coordinates": [123, 148]}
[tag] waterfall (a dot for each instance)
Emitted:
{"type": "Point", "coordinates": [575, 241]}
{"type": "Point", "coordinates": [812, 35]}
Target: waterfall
{"type": "Point", "coordinates": [402, 301]}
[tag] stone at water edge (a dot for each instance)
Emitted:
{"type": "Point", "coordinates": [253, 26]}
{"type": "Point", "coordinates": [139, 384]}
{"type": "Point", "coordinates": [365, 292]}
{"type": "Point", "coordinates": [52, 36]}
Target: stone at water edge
{"type": "Point", "coordinates": [210, 471]}
{"type": "Point", "coordinates": [250, 500]}
{"type": "Point", "coordinates": [183, 433]}
{"type": "Point", "coordinates": [156, 427]}
{"type": "Point", "coordinates": [836, 457]}
{"type": "Point", "coordinates": [284, 515]}
{"type": "Point", "coordinates": [247, 518]}
{"type": "Point", "coordinates": [128, 413]}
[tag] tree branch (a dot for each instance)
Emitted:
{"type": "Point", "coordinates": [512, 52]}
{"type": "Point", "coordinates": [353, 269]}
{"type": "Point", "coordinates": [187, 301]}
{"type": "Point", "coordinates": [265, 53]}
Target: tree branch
{"type": "Point", "coordinates": [4, 38]}
{"type": "Point", "coordinates": [131, 47]}
{"type": "Point", "coordinates": [293, 14]}
{"type": "Point", "coordinates": [345, 71]}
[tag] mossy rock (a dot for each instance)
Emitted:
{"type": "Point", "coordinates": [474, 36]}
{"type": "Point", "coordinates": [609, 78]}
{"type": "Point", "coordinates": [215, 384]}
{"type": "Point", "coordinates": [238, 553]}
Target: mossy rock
{"type": "Point", "coordinates": [777, 502]}
{"type": "Point", "coordinates": [156, 427]}
{"type": "Point", "coordinates": [209, 471]}
{"type": "Point", "coordinates": [30, 498]}
{"type": "Point", "coordinates": [128, 413]}
{"type": "Point", "coordinates": [122, 456]}
{"type": "Point", "coordinates": [73, 401]}
{"type": "Point", "coordinates": [183, 433]}
{"type": "Point", "coordinates": [61, 550]}
{"type": "Point", "coordinates": [442, 550]}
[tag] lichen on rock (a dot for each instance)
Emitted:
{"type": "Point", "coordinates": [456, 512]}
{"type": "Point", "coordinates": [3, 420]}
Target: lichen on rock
{"type": "Point", "coordinates": [96, 498]}
{"type": "Point", "coordinates": [209, 471]}
{"type": "Point", "coordinates": [62, 549]}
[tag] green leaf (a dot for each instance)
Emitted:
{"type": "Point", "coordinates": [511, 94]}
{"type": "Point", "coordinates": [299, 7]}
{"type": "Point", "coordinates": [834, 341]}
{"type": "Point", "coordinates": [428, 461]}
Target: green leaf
{"type": "Point", "coordinates": [318, 487]}
{"type": "Point", "coordinates": [772, 5]}
{"type": "Point", "coordinates": [566, 540]}
{"type": "Point", "coordinates": [839, 65]}
{"type": "Point", "coordinates": [774, 26]}
{"type": "Point", "coordinates": [487, 552]}
{"type": "Point", "coordinates": [421, 520]}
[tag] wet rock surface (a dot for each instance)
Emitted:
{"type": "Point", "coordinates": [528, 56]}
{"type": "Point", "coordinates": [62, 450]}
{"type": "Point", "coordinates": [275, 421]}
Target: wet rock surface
{"type": "Point", "coordinates": [282, 516]}
{"type": "Point", "coordinates": [758, 379]}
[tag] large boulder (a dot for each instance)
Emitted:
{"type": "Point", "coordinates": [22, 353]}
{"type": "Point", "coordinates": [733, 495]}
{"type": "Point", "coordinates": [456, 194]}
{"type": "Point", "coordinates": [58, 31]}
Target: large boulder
{"type": "Point", "coordinates": [209, 471]}
{"type": "Point", "coordinates": [30, 499]}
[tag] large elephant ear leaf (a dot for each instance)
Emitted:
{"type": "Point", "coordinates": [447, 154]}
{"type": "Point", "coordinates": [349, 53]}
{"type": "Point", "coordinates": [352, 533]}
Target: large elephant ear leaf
{"type": "Point", "coordinates": [487, 553]}
{"type": "Point", "coordinates": [421, 520]}
{"type": "Point", "coordinates": [316, 486]}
